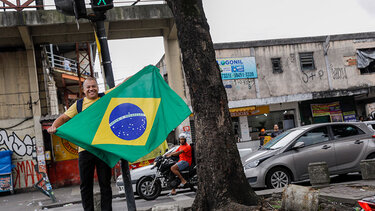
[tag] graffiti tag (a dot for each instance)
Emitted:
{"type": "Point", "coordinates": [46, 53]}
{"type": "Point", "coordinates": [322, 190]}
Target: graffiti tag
{"type": "Point", "coordinates": [24, 174]}
{"type": "Point", "coordinates": [338, 73]}
{"type": "Point", "coordinates": [13, 143]}
{"type": "Point", "coordinates": [306, 77]}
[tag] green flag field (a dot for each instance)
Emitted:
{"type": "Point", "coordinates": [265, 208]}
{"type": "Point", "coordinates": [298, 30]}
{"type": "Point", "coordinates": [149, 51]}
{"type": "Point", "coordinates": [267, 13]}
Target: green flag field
{"type": "Point", "coordinates": [130, 121]}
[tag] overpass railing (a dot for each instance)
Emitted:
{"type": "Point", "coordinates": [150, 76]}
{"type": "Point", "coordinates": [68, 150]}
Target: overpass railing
{"type": "Point", "coordinates": [56, 61]}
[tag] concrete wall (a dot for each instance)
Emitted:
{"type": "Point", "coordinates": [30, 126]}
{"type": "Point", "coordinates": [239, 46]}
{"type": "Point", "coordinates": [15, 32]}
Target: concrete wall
{"type": "Point", "coordinates": [14, 86]}
{"type": "Point", "coordinates": [17, 129]}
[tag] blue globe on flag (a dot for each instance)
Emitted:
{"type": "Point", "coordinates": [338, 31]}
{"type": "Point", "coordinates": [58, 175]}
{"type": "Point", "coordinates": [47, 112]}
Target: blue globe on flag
{"type": "Point", "coordinates": [127, 121]}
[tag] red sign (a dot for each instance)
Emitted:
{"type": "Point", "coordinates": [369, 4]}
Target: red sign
{"type": "Point", "coordinates": [186, 128]}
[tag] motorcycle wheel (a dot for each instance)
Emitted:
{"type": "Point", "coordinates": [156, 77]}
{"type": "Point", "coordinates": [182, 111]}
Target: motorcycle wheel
{"type": "Point", "coordinates": [145, 190]}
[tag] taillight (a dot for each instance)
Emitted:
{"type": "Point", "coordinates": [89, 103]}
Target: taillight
{"type": "Point", "coordinates": [367, 206]}
{"type": "Point", "coordinates": [373, 136]}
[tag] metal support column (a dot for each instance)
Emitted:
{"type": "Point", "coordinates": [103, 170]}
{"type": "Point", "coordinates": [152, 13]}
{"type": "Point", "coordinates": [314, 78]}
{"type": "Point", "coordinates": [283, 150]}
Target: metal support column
{"type": "Point", "coordinates": [109, 80]}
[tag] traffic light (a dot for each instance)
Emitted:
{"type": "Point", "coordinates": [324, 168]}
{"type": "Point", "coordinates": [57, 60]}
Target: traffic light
{"type": "Point", "coordinates": [75, 8]}
{"type": "Point", "coordinates": [101, 5]}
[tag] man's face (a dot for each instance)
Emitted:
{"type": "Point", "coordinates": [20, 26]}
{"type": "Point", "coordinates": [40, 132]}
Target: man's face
{"type": "Point", "coordinates": [276, 127]}
{"type": "Point", "coordinates": [182, 141]}
{"type": "Point", "coordinates": [90, 88]}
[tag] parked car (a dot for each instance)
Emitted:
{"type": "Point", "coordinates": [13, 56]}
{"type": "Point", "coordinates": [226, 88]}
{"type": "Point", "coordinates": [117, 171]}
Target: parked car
{"type": "Point", "coordinates": [285, 158]}
{"type": "Point", "coordinates": [139, 173]}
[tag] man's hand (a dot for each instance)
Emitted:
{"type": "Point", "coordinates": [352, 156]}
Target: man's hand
{"type": "Point", "coordinates": [168, 155]}
{"type": "Point", "coordinates": [51, 130]}
{"type": "Point", "coordinates": [57, 123]}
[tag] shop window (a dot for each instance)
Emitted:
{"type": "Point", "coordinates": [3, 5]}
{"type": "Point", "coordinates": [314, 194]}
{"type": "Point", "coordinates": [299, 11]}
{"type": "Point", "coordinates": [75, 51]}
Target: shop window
{"type": "Point", "coordinates": [366, 60]}
{"type": "Point", "coordinates": [306, 60]}
{"type": "Point", "coordinates": [276, 65]}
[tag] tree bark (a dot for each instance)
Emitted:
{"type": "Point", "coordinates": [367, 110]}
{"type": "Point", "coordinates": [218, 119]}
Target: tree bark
{"type": "Point", "coordinates": [222, 181]}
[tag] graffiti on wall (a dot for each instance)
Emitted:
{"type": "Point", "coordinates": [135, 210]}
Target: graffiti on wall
{"type": "Point", "coordinates": [24, 174]}
{"type": "Point", "coordinates": [291, 58]}
{"type": "Point", "coordinates": [338, 73]}
{"type": "Point", "coordinates": [311, 76]}
{"type": "Point", "coordinates": [247, 82]}
{"type": "Point", "coordinates": [239, 84]}
{"type": "Point", "coordinates": [14, 143]}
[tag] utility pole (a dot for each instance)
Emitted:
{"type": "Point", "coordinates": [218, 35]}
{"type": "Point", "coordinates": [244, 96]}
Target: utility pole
{"type": "Point", "coordinates": [98, 19]}
{"type": "Point", "coordinates": [77, 8]}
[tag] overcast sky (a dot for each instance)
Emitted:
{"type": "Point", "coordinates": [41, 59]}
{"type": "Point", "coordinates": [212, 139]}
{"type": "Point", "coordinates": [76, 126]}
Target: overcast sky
{"type": "Point", "coordinates": [247, 20]}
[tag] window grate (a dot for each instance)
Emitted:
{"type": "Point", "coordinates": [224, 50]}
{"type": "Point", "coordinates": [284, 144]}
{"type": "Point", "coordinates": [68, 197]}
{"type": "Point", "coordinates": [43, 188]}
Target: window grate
{"type": "Point", "coordinates": [306, 60]}
{"type": "Point", "coordinates": [276, 65]}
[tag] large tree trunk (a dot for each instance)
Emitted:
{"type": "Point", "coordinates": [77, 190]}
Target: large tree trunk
{"type": "Point", "coordinates": [222, 182]}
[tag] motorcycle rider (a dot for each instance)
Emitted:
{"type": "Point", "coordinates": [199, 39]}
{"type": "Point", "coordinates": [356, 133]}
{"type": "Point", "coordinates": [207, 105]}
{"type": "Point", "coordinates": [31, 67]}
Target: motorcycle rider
{"type": "Point", "coordinates": [185, 155]}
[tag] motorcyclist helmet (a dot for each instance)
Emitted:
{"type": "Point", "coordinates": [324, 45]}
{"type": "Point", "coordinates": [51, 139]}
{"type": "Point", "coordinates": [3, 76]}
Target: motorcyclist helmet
{"type": "Point", "coordinates": [182, 135]}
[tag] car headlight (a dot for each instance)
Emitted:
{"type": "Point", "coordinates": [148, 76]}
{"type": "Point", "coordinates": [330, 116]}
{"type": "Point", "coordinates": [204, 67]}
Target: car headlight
{"type": "Point", "coordinates": [252, 164]}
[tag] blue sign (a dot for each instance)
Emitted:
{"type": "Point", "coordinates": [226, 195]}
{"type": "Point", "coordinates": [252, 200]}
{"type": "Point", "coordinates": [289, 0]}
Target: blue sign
{"type": "Point", "coordinates": [237, 68]}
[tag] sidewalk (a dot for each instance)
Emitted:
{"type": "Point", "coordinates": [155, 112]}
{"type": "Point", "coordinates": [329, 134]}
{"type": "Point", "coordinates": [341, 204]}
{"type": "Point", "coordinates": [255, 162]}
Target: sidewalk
{"type": "Point", "coordinates": [36, 200]}
{"type": "Point", "coordinates": [346, 192]}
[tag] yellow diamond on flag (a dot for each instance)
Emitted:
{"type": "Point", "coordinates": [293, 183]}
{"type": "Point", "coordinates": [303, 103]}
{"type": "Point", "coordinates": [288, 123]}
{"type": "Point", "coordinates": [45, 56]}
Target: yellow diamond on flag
{"type": "Point", "coordinates": [127, 121]}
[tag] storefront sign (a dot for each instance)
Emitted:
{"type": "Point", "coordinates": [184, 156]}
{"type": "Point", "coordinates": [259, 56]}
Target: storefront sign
{"type": "Point", "coordinates": [237, 68]}
{"type": "Point", "coordinates": [186, 128]}
{"type": "Point", "coordinates": [249, 111]}
{"type": "Point", "coordinates": [349, 116]}
{"type": "Point", "coordinates": [336, 117]}
{"type": "Point", "coordinates": [63, 149]}
{"type": "Point", "coordinates": [326, 109]}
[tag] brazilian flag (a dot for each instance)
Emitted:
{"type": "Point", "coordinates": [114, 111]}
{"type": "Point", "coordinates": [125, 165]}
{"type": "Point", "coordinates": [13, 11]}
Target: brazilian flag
{"type": "Point", "coordinates": [130, 121]}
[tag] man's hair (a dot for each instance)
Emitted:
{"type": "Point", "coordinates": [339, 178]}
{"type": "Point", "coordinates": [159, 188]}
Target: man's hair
{"type": "Point", "coordinates": [90, 79]}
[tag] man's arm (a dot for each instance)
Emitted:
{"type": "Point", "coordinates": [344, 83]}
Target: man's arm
{"type": "Point", "coordinates": [57, 123]}
{"type": "Point", "coordinates": [175, 153]}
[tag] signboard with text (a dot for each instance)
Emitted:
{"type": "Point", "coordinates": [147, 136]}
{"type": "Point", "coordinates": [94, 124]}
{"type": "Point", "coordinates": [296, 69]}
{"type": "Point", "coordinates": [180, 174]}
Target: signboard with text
{"type": "Point", "coordinates": [325, 109]}
{"type": "Point", "coordinates": [237, 68]}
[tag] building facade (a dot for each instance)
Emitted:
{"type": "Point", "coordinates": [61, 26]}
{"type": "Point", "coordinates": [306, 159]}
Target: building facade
{"type": "Point", "coordinates": [298, 81]}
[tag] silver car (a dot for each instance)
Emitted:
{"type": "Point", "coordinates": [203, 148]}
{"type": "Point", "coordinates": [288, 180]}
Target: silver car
{"type": "Point", "coordinates": [285, 158]}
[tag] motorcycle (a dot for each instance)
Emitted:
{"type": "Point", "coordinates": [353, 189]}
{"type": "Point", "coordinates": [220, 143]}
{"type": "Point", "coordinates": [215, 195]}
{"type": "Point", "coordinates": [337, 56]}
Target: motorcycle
{"type": "Point", "coordinates": [150, 187]}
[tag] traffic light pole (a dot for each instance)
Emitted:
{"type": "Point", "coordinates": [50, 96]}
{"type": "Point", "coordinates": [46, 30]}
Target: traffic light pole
{"type": "Point", "coordinates": [107, 66]}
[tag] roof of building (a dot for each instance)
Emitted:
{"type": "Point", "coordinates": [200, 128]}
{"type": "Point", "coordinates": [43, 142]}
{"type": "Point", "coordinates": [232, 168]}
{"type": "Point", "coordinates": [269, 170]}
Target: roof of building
{"type": "Point", "coordinates": [359, 37]}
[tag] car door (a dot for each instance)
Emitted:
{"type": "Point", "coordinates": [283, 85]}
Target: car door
{"type": "Point", "coordinates": [350, 143]}
{"type": "Point", "coordinates": [318, 148]}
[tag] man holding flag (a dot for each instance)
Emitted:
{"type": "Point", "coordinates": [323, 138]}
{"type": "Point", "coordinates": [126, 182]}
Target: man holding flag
{"type": "Point", "coordinates": [87, 161]}
{"type": "Point", "coordinates": [128, 122]}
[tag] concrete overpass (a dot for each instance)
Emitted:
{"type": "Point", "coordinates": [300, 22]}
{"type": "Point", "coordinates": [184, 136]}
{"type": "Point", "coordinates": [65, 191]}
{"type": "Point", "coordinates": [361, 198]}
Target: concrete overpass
{"type": "Point", "coordinates": [50, 26]}
{"type": "Point", "coordinates": [22, 78]}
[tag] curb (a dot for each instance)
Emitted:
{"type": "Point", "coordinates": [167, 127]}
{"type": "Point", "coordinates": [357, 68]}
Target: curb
{"type": "Point", "coordinates": [62, 204]}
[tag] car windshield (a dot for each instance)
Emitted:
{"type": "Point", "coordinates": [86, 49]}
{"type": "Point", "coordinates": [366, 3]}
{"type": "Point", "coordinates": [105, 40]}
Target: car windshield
{"type": "Point", "coordinates": [282, 140]}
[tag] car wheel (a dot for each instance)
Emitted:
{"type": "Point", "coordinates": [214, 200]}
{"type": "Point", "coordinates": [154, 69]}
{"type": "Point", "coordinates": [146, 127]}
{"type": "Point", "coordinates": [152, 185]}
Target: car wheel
{"type": "Point", "coordinates": [146, 191]}
{"type": "Point", "coordinates": [371, 156]}
{"type": "Point", "coordinates": [278, 178]}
